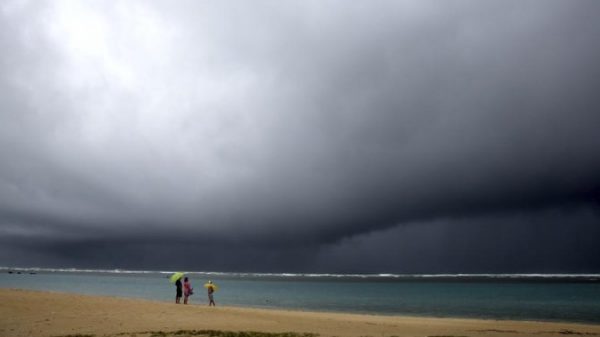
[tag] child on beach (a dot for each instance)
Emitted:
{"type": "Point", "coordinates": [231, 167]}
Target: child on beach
{"type": "Point", "coordinates": [187, 290]}
{"type": "Point", "coordinates": [211, 290]}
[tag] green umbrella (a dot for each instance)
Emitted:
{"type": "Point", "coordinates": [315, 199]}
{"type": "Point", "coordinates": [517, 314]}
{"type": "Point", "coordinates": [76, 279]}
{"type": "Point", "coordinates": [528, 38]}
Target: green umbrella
{"type": "Point", "coordinates": [176, 277]}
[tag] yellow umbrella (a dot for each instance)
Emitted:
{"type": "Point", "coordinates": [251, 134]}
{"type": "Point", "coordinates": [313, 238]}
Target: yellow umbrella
{"type": "Point", "coordinates": [211, 285]}
{"type": "Point", "coordinates": [176, 277]}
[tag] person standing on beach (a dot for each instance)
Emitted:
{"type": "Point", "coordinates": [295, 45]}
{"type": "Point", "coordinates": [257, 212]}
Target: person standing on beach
{"type": "Point", "coordinates": [179, 292]}
{"type": "Point", "coordinates": [187, 290]}
{"type": "Point", "coordinates": [211, 290]}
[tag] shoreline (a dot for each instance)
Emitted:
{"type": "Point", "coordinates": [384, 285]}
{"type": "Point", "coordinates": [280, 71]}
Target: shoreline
{"type": "Point", "coordinates": [44, 313]}
{"type": "Point", "coordinates": [196, 302]}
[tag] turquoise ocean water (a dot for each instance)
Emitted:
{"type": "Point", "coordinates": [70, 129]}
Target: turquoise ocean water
{"type": "Point", "coordinates": [574, 298]}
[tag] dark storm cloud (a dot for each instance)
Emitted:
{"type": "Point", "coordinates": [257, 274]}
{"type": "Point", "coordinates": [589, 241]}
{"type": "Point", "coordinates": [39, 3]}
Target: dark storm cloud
{"type": "Point", "coordinates": [272, 127]}
{"type": "Point", "coordinates": [548, 241]}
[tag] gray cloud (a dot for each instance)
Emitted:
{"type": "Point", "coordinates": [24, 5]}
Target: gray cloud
{"type": "Point", "coordinates": [276, 126]}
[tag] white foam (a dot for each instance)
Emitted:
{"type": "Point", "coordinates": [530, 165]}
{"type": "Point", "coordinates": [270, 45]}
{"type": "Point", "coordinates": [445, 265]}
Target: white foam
{"type": "Point", "coordinates": [313, 275]}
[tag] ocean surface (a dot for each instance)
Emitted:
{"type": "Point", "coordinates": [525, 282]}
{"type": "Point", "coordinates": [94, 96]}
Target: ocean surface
{"type": "Point", "coordinates": [573, 298]}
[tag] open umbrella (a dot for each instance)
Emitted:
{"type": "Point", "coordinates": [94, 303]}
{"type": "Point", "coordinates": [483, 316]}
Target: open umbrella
{"type": "Point", "coordinates": [176, 277]}
{"type": "Point", "coordinates": [211, 285]}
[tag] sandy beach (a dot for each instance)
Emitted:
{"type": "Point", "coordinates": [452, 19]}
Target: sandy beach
{"type": "Point", "coordinates": [34, 313]}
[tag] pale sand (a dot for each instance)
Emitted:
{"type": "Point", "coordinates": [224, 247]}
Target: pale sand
{"type": "Point", "coordinates": [33, 313]}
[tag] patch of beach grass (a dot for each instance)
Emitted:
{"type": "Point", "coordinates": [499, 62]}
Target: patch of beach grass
{"type": "Point", "coordinates": [572, 332]}
{"type": "Point", "coordinates": [210, 333]}
{"type": "Point", "coordinates": [495, 330]}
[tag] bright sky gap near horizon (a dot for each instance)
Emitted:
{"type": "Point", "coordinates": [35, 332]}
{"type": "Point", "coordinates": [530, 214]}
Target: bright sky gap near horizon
{"type": "Point", "coordinates": [307, 136]}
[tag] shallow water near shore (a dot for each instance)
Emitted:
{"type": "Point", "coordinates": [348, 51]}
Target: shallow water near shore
{"type": "Point", "coordinates": [574, 298]}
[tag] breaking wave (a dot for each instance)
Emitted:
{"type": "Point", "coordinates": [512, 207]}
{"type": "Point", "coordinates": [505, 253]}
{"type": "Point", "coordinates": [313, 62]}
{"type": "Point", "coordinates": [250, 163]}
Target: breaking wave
{"type": "Point", "coordinates": [389, 276]}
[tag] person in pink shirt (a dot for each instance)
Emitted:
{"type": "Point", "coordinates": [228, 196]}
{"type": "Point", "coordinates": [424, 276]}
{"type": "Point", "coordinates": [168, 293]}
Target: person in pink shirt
{"type": "Point", "coordinates": [187, 290]}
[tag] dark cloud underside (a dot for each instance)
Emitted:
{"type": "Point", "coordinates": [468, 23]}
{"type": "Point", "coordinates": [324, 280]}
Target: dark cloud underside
{"type": "Point", "coordinates": [297, 134]}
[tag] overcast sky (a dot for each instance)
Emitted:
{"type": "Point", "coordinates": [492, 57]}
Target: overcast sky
{"type": "Point", "coordinates": [321, 136]}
